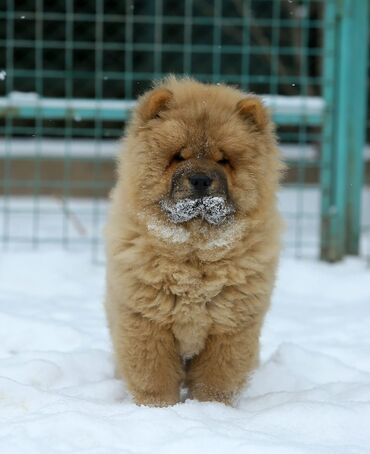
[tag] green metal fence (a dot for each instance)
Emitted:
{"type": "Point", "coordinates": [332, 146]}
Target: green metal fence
{"type": "Point", "coordinates": [70, 72]}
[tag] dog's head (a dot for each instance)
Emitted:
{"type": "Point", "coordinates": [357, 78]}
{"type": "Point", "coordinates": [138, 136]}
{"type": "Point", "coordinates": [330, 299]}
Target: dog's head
{"type": "Point", "coordinates": [200, 153]}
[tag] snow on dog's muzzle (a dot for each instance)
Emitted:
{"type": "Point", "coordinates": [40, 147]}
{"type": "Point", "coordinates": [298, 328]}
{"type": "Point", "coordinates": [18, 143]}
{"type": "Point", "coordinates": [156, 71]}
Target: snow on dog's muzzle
{"type": "Point", "coordinates": [213, 209]}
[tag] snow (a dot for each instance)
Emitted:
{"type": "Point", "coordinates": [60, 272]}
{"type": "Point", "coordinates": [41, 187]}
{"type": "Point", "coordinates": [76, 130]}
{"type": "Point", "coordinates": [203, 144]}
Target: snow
{"type": "Point", "coordinates": [59, 148]}
{"type": "Point", "coordinates": [79, 222]}
{"type": "Point", "coordinates": [108, 148]}
{"type": "Point", "coordinates": [311, 393]}
{"type": "Point", "coordinates": [32, 105]}
{"type": "Point", "coordinates": [58, 393]}
{"type": "Point", "coordinates": [312, 105]}
{"type": "Point", "coordinates": [30, 99]}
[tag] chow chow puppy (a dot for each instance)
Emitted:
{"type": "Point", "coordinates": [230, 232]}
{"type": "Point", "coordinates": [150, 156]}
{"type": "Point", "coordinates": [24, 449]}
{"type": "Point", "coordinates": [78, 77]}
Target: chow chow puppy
{"type": "Point", "coordinates": [192, 242]}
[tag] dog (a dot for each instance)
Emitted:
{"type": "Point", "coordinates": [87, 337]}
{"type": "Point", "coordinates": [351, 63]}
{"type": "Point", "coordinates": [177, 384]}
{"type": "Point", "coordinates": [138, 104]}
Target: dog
{"type": "Point", "coordinates": [192, 242]}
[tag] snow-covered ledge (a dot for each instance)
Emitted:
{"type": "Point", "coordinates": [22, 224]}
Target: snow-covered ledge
{"type": "Point", "coordinates": [28, 105]}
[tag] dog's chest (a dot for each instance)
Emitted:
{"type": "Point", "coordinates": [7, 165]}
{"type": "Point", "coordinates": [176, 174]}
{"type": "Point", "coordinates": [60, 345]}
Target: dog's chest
{"type": "Point", "coordinates": [196, 284]}
{"type": "Point", "coordinates": [194, 289]}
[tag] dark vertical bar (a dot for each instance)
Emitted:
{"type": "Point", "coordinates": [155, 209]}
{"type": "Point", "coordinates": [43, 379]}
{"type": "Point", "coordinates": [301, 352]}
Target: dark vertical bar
{"type": "Point", "coordinates": [356, 120]}
{"type": "Point", "coordinates": [9, 81]}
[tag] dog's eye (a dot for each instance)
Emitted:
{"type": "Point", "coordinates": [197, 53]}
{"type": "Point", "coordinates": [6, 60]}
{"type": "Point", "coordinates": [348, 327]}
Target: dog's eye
{"type": "Point", "coordinates": [178, 158]}
{"type": "Point", "coordinates": [223, 161]}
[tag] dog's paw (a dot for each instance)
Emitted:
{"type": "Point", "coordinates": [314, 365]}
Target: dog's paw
{"type": "Point", "coordinates": [150, 399]}
{"type": "Point", "coordinates": [206, 393]}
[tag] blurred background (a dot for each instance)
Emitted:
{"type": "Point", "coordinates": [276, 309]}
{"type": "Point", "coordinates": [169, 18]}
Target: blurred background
{"type": "Point", "coordinates": [70, 73]}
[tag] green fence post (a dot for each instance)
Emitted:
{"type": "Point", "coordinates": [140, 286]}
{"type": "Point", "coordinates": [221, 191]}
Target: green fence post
{"type": "Point", "coordinates": [332, 215]}
{"type": "Point", "coordinates": [356, 122]}
{"type": "Point", "coordinates": [345, 96]}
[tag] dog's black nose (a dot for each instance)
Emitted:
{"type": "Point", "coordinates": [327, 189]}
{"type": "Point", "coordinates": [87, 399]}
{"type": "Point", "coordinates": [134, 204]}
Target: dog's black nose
{"type": "Point", "coordinates": [200, 182]}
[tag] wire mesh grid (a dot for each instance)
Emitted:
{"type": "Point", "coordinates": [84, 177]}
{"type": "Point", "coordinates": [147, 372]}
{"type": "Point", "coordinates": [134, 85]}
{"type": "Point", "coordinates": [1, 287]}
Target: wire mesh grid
{"type": "Point", "coordinates": [71, 70]}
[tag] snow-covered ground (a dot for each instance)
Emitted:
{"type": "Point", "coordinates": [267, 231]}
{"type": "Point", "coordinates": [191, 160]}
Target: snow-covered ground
{"type": "Point", "coordinates": [79, 222]}
{"type": "Point", "coordinates": [58, 393]}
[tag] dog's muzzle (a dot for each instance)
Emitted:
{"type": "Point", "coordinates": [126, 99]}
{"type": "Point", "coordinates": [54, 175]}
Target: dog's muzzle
{"type": "Point", "coordinates": [213, 209]}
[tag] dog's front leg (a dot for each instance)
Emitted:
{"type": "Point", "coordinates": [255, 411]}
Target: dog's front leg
{"type": "Point", "coordinates": [221, 369]}
{"type": "Point", "coordinates": [148, 360]}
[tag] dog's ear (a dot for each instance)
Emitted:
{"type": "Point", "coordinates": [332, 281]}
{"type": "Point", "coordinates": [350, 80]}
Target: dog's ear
{"type": "Point", "coordinates": [154, 103]}
{"type": "Point", "coordinates": [253, 110]}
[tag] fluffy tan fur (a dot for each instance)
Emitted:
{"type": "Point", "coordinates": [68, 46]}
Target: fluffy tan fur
{"type": "Point", "coordinates": [185, 302]}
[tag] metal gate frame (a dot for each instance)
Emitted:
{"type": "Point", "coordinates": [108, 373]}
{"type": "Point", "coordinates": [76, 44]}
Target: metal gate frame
{"type": "Point", "coordinates": [343, 119]}
{"type": "Point", "coordinates": [342, 166]}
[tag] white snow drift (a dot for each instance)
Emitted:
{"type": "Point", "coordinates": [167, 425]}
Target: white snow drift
{"type": "Point", "coordinates": [58, 393]}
